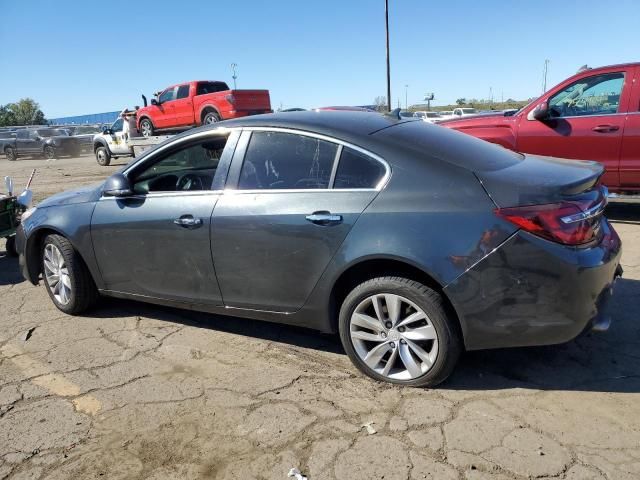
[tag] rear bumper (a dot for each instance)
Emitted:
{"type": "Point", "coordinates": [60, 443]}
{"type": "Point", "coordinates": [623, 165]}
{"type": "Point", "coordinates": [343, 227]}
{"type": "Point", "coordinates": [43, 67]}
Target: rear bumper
{"type": "Point", "coordinates": [530, 291]}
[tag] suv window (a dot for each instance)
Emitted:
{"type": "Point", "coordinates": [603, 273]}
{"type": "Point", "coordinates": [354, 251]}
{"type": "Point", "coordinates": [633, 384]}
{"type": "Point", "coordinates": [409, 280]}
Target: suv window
{"type": "Point", "coordinates": [22, 134]}
{"type": "Point", "coordinates": [167, 95]}
{"type": "Point", "coordinates": [597, 95]}
{"type": "Point", "coordinates": [183, 91]}
{"type": "Point", "coordinates": [211, 87]}
{"type": "Point", "coordinates": [276, 160]}
{"type": "Point", "coordinates": [357, 170]}
{"type": "Point", "coordinates": [190, 168]}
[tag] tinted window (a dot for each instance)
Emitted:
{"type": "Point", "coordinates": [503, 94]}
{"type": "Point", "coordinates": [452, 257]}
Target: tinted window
{"type": "Point", "coordinates": [211, 87]}
{"type": "Point", "coordinates": [597, 95]}
{"type": "Point", "coordinates": [357, 170]}
{"type": "Point", "coordinates": [22, 134]}
{"type": "Point", "coordinates": [117, 125]}
{"type": "Point", "coordinates": [167, 95]}
{"type": "Point", "coordinates": [183, 91]}
{"type": "Point", "coordinates": [189, 168]}
{"type": "Point", "coordinates": [276, 160]}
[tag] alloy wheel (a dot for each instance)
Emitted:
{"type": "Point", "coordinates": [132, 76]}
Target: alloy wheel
{"type": "Point", "coordinates": [393, 336]}
{"type": "Point", "coordinates": [209, 119]}
{"type": "Point", "coordinates": [146, 129]}
{"type": "Point", "coordinates": [56, 274]}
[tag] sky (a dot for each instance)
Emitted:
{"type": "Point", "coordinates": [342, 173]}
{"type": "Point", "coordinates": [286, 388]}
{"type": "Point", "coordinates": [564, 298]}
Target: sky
{"type": "Point", "coordinates": [79, 57]}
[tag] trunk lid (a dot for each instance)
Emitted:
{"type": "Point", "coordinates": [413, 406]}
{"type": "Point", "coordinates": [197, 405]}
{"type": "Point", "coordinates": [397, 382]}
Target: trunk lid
{"type": "Point", "coordinates": [537, 180]}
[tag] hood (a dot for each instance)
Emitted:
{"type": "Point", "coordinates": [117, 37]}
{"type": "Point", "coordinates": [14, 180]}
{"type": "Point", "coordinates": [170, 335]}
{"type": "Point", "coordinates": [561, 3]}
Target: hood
{"type": "Point", "coordinates": [79, 195]}
{"type": "Point", "coordinates": [482, 120]}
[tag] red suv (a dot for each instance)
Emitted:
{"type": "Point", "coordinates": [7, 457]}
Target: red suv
{"type": "Point", "coordinates": [594, 115]}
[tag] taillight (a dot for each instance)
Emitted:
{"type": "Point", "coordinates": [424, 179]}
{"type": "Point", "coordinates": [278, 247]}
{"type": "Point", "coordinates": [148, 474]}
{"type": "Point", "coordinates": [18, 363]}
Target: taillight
{"type": "Point", "coordinates": [569, 223]}
{"type": "Point", "coordinates": [231, 99]}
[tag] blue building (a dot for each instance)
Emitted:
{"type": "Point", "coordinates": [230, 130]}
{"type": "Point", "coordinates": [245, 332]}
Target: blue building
{"type": "Point", "coordinates": [94, 118]}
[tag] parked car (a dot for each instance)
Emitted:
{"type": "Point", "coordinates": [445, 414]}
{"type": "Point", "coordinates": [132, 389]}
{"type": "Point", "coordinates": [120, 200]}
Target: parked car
{"type": "Point", "coordinates": [446, 114]}
{"type": "Point", "coordinates": [406, 114]}
{"type": "Point", "coordinates": [84, 134]}
{"type": "Point", "coordinates": [199, 103]}
{"type": "Point", "coordinates": [464, 112]}
{"type": "Point", "coordinates": [48, 142]}
{"type": "Point", "coordinates": [593, 115]}
{"type": "Point", "coordinates": [342, 221]}
{"type": "Point", "coordinates": [344, 108]}
{"type": "Point", "coordinates": [431, 117]}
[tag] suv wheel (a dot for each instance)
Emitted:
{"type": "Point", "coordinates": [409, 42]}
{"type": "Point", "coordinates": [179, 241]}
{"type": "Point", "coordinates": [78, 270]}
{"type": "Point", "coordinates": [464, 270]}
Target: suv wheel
{"type": "Point", "coordinates": [10, 153]}
{"type": "Point", "coordinates": [397, 330]}
{"type": "Point", "coordinates": [103, 157]}
{"type": "Point", "coordinates": [66, 277]}
{"type": "Point", "coordinates": [146, 128]}
{"type": "Point", "coordinates": [49, 152]}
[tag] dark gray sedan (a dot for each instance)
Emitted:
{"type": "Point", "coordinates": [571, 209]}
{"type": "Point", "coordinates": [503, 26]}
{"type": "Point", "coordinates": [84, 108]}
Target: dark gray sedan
{"type": "Point", "coordinates": [412, 241]}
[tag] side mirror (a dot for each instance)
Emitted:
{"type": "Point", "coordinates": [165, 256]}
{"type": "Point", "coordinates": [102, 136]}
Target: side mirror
{"type": "Point", "coordinates": [117, 185]}
{"type": "Point", "coordinates": [25, 198]}
{"type": "Point", "coordinates": [540, 112]}
{"type": "Point", "coordinates": [154, 102]}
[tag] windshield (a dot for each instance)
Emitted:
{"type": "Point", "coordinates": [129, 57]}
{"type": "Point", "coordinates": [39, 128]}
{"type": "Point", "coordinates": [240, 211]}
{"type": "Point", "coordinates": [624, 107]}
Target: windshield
{"type": "Point", "coordinates": [469, 110]}
{"type": "Point", "coordinates": [52, 132]}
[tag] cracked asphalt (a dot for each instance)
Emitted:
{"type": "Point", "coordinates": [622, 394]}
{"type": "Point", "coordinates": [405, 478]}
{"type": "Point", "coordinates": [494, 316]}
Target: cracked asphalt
{"type": "Point", "coordinates": [139, 391]}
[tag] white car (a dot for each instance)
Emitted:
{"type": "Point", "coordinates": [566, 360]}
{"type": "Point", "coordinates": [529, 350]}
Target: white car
{"type": "Point", "coordinates": [431, 117]}
{"type": "Point", "coordinates": [446, 115]}
{"type": "Point", "coordinates": [464, 112]}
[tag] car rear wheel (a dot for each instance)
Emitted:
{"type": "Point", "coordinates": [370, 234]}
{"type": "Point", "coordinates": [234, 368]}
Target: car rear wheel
{"type": "Point", "coordinates": [66, 277]}
{"type": "Point", "coordinates": [397, 330]}
{"type": "Point", "coordinates": [49, 152]}
{"type": "Point", "coordinates": [10, 246]}
{"type": "Point", "coordinates": [146, 128]}
{"type": "Point", "coordinates": [103, 157]}
{"type": "Point", "coordinates": [211, 117]}
{"type": "Point", "coordinates": [10, 153]}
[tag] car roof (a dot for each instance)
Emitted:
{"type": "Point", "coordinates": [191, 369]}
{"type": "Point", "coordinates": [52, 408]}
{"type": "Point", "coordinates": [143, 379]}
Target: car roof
{"type": "Point", "coordinates": [329, 122]}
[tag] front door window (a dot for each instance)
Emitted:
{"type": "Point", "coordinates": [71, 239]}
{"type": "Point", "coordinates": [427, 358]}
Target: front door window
{"type": "Point", "coordinates": [597, 95]}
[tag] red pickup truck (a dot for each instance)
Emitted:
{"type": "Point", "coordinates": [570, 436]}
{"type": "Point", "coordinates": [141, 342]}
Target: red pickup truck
{"type": "Point", "coordinates": [198, 103]}
{"type": "Point", "coordinates": [594, 115]}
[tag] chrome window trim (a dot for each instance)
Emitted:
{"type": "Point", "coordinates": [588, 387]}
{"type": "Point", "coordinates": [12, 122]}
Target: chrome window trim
{"type": "Point", "coordinates": [266, 191]}
{"type": "Point", "coordinates": [380, 185]}
{"type": "Point", "coordinates": [189, 138]}
{"type": "Point", "coordinates": [177, 193]}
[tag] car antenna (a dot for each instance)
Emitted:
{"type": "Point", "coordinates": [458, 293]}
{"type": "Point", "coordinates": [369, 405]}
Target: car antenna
{"type": "Point", "coordinates": [395, 114]}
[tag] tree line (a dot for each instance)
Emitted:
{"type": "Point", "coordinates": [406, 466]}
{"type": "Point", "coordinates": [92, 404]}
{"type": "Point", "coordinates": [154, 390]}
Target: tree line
{"type": "Point", "coordinates": [25, 111]}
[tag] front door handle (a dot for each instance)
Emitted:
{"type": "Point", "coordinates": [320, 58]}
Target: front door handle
{"type": "Point", "coordinates": [324, 218]}
{"type": "Point", "coordinates": [188, 221]}
{"type": "Point", "coordinates": [606, 128]}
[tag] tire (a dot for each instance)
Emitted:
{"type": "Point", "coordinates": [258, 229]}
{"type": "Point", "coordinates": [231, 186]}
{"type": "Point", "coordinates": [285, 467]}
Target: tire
{"type": "Point", "coordinates": [49, 153]}
{"type": "Point", "coordinates": [103, 156]}
{"type": "Point", "coordinates": [146, 128]}
{"type": "Point", "coordinates": [10, 246]}
{"type": "Point", "coordinates": [74, 276]}
{"type": "Point", "coordinates": [10, 153]}
{"type": "Point", "coordinates": [433, 334]}
{"type": "Point", "coordinates": [210, 117]}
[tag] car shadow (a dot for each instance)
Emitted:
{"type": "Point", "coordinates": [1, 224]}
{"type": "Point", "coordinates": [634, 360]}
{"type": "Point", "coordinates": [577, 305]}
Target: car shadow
{"type": "Point", "coordinates": [623, 213]}
{"type": "Point", "coordinates": [595, 362]}
{"type": "Point", "coordinates": [9, 270]}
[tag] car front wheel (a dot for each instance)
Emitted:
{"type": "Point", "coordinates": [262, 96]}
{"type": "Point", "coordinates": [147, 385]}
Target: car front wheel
{"type": "Point", "coordinates": [146, 128]}
{"type": "Point", "coordinates": [66, 277]}
{"type": "Point", "coordinates": [397, 330]}
{"type": "Point", "coordinates": [103, 157]}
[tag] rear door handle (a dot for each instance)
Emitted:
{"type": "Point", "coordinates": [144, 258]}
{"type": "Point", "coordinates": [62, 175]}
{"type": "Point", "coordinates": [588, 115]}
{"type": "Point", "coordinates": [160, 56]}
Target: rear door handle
{"type": "Point", "coordinates": [324, 218]}
{"type": "Point", "coordinates": [188, 221]}
{"type": "Point", "coordinates": [606, 128]}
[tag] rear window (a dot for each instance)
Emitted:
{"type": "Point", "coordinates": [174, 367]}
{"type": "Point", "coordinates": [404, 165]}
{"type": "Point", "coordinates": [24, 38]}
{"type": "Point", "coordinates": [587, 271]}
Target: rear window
{"type": "Point", "coordinates": [451, 146]}
{"type": "Point", "coordinates": [357, 170]}
{"type": "Point", "coordinates": [211, 87]}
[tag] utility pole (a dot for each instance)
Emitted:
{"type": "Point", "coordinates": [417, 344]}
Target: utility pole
{"type": "Point", "coordinates": [545, 70]}
{"type": "Point", "coordinates": [386, 23]}
{"type": "Point", "coordinates": [490, 96]}
{"type": "Point", "coordinates": [234, 75]}
{"type": "Point", "coordinates": [406, 103]}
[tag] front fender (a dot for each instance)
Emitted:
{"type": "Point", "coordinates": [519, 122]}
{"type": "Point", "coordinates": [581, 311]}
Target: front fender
{"type": "Point", "coordinates": [72, 222]}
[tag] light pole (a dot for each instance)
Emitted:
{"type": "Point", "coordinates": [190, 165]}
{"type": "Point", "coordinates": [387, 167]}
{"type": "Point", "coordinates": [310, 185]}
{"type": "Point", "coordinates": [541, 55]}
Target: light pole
{"type": "Point", "coordinates": [234, 66]}
{"type": "Point", "coordinates": [386, 23]}
{"type": "Point", "coordinates": [544, 75]}
{"type": "Point", "coordinates": [406, 103]}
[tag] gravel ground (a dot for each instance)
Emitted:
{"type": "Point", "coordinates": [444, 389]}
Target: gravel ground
{"type": "Point", "coordinates": [139, 391]}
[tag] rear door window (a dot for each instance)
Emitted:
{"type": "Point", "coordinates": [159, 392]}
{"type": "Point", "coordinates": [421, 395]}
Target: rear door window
{"type": "Point", "coordinates": [278, 160]}
{"type": "Point", "coordinates": [183, 92]}
{"type": "Point", "coordinates": [357, 170]}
